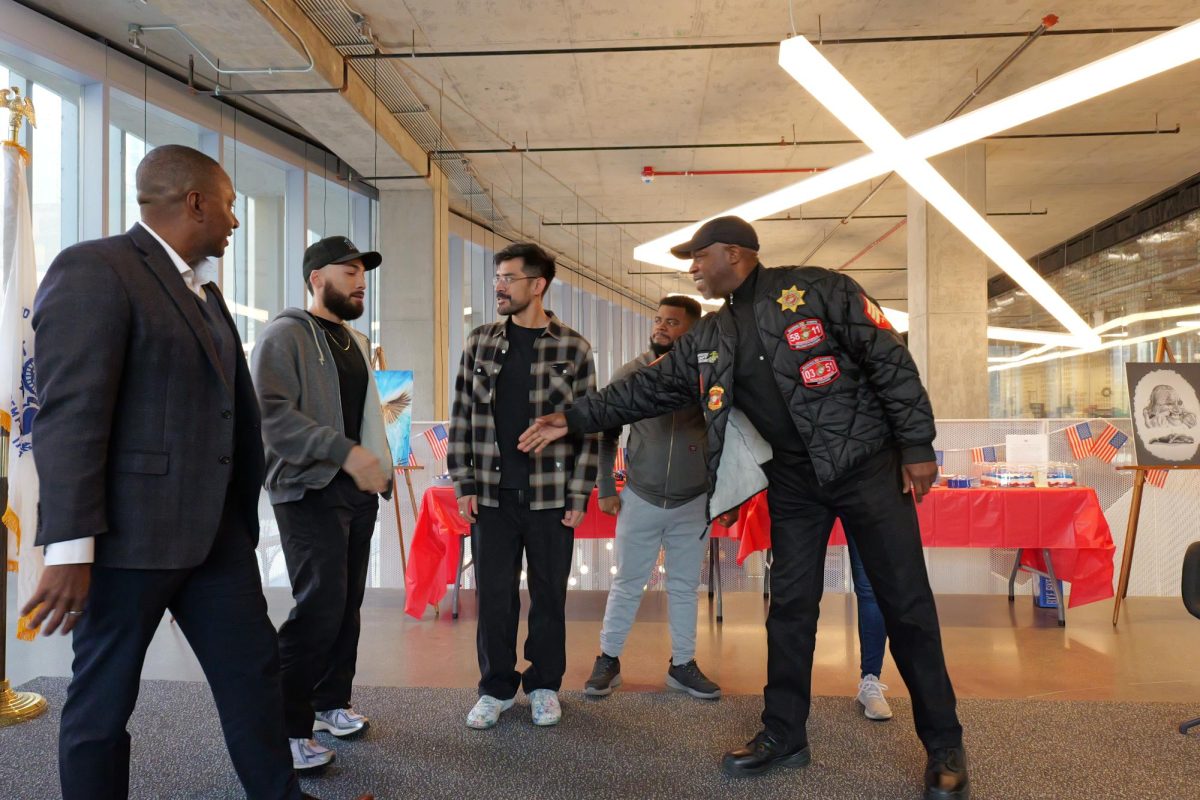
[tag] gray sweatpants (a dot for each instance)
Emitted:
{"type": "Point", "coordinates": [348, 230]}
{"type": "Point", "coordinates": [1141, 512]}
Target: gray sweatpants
{"type": "Point", "coordinates": [642, 530]}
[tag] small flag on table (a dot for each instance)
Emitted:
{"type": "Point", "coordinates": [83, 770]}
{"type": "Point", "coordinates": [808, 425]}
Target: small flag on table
{"type": "Point", "coordinates": [1081, 441]}
{"type": "Point", "coordinates": [1108, 443]}
{"type": "Point", "coordinates": [1156, 477]}
{"type": "Point", "coordinates": [983, 455]}
{"type": "Point", "coordinates": [412, 459]}
{"type": "Point", "coordinates": [619, 463]}
{"type": "Point", "coordinates": [438, 439]}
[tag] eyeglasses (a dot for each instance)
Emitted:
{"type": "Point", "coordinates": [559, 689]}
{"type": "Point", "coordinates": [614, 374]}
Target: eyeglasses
{"type": "Point", "coordinates": [507, 280]}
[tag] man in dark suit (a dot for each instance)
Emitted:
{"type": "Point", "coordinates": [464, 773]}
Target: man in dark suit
{"type": "Point", "coordinates": [150, 460]}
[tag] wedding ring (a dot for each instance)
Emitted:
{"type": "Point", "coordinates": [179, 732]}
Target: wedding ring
{"type": "Point", "coordinates": [75, 613]}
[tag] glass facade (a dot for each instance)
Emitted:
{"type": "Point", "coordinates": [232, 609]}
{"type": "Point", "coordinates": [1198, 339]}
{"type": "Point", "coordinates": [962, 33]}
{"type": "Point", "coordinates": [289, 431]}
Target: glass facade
{"type": "Point", "coordinates": [1136, 291]}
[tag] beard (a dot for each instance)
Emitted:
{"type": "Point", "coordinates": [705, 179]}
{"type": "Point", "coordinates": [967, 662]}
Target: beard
{"type": "Point", "coordinates": [661, 349]}
{"type": "Point", "coordinates": [342, 305]}
{"type": "Point", "coordinates": [513, 306]}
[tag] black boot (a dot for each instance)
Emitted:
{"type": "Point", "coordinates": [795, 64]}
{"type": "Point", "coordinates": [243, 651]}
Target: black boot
{"type": "Point", "coordinates": [760, 754]}
{"type": "Point", "coordinates": [946, 775]}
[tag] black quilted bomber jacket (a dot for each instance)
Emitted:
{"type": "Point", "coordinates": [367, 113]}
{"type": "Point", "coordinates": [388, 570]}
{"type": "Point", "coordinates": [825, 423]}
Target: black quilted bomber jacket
{"type": "Point", "coordinates": [850, 382]}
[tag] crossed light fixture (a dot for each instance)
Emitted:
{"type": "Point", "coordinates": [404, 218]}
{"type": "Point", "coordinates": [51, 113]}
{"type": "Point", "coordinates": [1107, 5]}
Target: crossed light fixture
{"type": "Point", "coordinates": [909, 157]}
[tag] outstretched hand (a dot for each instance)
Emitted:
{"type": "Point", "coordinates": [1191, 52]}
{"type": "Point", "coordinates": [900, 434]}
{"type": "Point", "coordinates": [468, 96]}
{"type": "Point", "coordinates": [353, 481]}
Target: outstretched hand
{"type": "Point", "coordinates": [542, 432]}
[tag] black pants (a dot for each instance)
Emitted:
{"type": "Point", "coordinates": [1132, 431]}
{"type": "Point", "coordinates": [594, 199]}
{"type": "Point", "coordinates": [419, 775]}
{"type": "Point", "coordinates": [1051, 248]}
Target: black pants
{"type": "Point", "coordinates": [326, 537]}
{"type": "Point", "coordinates": [882, 521]}
{"type": "Point", "coordinates": [498, 538]}
{"type": "Point", "coordinates": [219, 606]}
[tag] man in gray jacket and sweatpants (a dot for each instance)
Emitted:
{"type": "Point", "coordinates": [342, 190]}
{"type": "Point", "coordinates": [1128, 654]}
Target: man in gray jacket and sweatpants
{"type": "Point", "coordinates": [662, 507]}
{"type": "Point", "coordinates": [327, 462]}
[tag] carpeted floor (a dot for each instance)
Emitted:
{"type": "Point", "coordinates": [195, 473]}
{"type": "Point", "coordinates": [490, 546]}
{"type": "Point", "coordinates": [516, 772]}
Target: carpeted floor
{"type": "Point", "coordinates": [632, 746]}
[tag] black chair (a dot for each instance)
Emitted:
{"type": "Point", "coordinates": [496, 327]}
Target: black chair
{"type": "Point", "coordinates": [1191, 599]}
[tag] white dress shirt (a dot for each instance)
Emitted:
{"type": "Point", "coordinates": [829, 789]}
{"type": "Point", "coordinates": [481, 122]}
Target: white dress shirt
{"type": "Point", "coordinates": [83, 551]}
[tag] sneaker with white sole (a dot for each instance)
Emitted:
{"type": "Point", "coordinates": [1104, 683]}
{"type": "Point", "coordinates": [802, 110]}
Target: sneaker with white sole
{"type": "Point", "coordinates": [308, 754]}
{"type": "Point", "coordinates": [545, 707]}
{"type": "Point", "coordinates": [340, 722]}
{"type": "Point", "coordinates": [870, 697]}
{"type": "Point", "coordinates": [688, 678]}
{"type": "Point", "coordinates": [486, 712]}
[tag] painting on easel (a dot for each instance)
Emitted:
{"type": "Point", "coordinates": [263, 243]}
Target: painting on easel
{"type": "Point", "coordinates": [1165, 410]}
{"type": "Point", "coordinates": [396, 394]}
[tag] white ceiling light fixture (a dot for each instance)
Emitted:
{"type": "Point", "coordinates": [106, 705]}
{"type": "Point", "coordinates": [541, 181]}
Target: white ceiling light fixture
{"type": "Point", "coordinates": [1135, 63]}
{"type": "Point", "coordinates": [821, 79]}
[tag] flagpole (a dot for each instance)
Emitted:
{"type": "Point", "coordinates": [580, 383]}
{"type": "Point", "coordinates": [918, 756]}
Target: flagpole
{"type": "Point", "coordinates": [15, 707]}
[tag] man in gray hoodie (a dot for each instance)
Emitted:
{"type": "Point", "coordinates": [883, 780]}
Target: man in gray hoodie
{"type": "Point", "coordinates": [662, 507]}
{"type": "Point", "coordinates": [327, 460]}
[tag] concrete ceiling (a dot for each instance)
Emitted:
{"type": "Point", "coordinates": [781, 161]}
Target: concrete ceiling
{"type": "Point", "coordinates": [741, 95]}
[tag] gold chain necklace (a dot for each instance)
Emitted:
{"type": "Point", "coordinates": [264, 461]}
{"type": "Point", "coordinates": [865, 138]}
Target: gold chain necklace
{"type": "Point", "coordinates": [349, 338]}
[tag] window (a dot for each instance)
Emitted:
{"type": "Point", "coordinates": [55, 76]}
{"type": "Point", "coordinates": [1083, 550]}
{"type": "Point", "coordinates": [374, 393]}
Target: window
{"type": "Point", "coordinates": [53, 147]}
{"type": "Point", "coordinates": [134, 128]}
{"type": "Point", "coordinates": [253, 277]}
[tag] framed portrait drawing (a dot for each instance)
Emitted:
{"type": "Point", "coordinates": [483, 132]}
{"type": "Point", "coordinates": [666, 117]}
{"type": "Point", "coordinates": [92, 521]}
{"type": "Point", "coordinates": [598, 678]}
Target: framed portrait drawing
{"type": "Point", "coordinates": [1165, 406]}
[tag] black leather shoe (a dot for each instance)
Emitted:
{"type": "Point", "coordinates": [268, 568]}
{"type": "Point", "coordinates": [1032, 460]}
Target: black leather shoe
{"type": "Point", "coordinates": [760, 754]}
{"type": "Point", "coordinates": [946, 775]}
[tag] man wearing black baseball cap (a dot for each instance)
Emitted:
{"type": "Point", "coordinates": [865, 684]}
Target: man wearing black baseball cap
{"type": "Point", "coordinates": [807, 392]}
{"type": "Point", "coordinates": [327, 462]}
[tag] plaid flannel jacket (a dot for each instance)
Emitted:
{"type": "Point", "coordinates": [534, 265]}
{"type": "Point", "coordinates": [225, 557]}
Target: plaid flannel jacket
{"type": "Point", "coordinates": [564, 473]}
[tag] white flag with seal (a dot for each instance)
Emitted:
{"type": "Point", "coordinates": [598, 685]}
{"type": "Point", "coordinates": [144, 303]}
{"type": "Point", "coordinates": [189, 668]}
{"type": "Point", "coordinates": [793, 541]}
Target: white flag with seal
{"type": "Point", "coordinates": [18, 387]}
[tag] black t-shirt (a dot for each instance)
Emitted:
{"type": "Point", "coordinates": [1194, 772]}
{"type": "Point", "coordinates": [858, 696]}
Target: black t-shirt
{"type": "Point", "coordinates": [757, 393]}
{"type": "Point", "coordinates": [513, 388]}
{"type": "Point", "coordinates": [352, 374]}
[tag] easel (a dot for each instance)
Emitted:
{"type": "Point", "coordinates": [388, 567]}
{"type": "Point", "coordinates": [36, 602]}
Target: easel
{"type": "Point", "coordinates": [1161, 354]}
{"type": "Point", "coordinates": [379, 362]}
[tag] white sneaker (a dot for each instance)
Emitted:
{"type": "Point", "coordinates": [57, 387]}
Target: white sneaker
{"type": "Point", "coordinates": [307, 754]}
{"type": "Point", "coordinates": [546, 710]}
{"type": "Point", "coordinates": [486, 712]}
{"type": "Point", "coordinates": [340, 722]}
{"type": "Point", "coordinates": [870, 696]}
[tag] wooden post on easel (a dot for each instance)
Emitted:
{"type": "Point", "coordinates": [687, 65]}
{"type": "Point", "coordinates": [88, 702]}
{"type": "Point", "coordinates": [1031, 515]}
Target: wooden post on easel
{"type": "Point", "coordinates": [1161, 353]}
{"type": "Point", "coordinates": [379, 362]}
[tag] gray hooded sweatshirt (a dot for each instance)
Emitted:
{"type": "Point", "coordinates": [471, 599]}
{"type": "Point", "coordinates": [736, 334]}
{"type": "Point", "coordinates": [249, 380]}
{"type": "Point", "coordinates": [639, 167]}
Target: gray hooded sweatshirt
{"type": "Point", "coordinates": [298, 391]}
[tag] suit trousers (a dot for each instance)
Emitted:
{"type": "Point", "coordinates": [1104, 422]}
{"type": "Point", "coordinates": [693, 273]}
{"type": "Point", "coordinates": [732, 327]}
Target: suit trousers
{"type": "Point", "coordinates": [326, 537]}
{"type": "Point", "coordinates": [499, 537]}
{"type": "Point", "coordinates": [882, 522]}
{"type": "Point", "coordinates": [219, 607]}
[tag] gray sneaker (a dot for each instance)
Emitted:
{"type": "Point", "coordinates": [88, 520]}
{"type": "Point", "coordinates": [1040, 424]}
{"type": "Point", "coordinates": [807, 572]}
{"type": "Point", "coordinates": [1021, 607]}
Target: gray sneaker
{"type": "Point", "coordinates": [341, 722]}
{"type": "Point", "coordinates": [307, 754]}
{"type": "Point", "coordinates": [870, 697]}
{"type": "Point", "coordinates": [688, 678]}
{"type": "Point", "coordinates": [486, 712]}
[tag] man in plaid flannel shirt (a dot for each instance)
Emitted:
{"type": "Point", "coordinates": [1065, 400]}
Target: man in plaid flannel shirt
{"type": "Point", "coordinates": [512, 372]}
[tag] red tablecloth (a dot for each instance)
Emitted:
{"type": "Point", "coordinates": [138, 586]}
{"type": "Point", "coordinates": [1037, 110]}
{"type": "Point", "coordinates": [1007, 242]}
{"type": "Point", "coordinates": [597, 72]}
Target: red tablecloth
{"type": "Point", "coordinates": [1068, 522]}
{"type": "Point", "coordinates": [437, 538]}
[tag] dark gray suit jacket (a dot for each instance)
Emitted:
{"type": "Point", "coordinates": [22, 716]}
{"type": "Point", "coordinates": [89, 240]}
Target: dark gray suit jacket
{"type": "Point", "coordinates": [142, 429]}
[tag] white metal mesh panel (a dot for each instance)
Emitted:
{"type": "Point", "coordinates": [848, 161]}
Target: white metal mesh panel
{"type": "Point", "coordinates": [1165, 532]}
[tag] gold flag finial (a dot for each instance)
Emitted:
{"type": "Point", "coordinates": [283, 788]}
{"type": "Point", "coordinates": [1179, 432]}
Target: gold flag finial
{"type": "Point", "coordinates": [19, 109]}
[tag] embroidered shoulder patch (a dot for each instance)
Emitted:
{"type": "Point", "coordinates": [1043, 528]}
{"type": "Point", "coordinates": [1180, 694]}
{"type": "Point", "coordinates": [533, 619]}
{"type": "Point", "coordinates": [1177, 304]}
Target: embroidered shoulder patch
{"type": "Point", "coordinates": [875, 314]}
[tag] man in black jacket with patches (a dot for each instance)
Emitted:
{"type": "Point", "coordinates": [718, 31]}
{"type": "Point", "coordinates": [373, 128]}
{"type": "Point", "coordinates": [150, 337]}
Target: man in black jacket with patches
{"type": "Point", "coordinates": [803, 358]}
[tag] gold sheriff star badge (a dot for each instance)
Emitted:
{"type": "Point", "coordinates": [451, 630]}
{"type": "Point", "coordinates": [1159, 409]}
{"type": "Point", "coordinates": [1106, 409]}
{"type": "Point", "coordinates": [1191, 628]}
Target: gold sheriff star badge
{"type": "Point", "coordinates": [791, 299]}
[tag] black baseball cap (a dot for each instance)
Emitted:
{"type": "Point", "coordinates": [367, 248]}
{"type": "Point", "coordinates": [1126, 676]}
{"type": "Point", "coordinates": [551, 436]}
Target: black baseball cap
{"type": "Point", "coordinates": [336, 250]}
{"type": "Point", "coordinates": [726, 230]}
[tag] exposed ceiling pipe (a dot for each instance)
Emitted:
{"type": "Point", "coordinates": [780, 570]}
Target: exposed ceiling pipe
{"type": "Point", "coordinates": [409, 49]}
{"type": "Point", "coordinates": [874, 244]}
{"type": "Point", "coordinates": [650, 173]}
{"type": "Point", "coordinates": [838, 217]}
{"type": "Point", "coordinates": [602, 148]}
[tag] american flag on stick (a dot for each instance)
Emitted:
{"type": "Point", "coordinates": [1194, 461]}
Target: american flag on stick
{"type": "Point", "coordinates": [1081, 440]}
{"type": "Point", "coordinates": [1156, 477]}
{"type": "Point", "coordinates": [438, 439]}
{"type": "Point", "coordinates": [1109, 443]}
